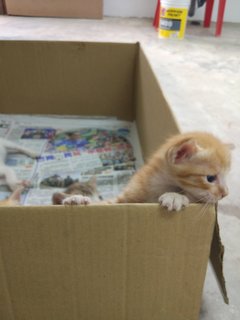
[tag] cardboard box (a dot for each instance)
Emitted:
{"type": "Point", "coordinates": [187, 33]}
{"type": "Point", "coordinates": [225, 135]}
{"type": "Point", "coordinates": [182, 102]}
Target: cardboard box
{"type": "Point", "coordinates": [133, 261]}
{"type": "Point", "coordinates": [2, 7]}
{"type": "Point", "coordinates": [92, 9]}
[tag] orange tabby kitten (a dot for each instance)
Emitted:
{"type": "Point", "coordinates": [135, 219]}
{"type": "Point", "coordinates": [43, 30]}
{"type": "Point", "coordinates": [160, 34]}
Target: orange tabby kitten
{"type": "Point", "coordinates": [14, 198]}
{"type": "Point", "coordinates": [188, 168]}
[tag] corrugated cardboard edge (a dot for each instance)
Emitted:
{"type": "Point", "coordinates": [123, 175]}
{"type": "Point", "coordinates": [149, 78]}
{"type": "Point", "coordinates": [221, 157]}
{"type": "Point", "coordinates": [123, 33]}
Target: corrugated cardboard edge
{"type": "Point", "coordinates": [123, 249]}
{"type": "Point", "coordinates": [216, 258]}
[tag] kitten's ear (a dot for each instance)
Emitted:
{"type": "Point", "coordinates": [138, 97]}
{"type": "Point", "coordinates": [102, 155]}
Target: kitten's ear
{"type": "Point", "coordinates": [182, 153]}
{"type": "Point", "coordinates": [58, 197]}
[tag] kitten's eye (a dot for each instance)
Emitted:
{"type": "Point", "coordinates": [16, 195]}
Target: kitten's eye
{"type": "Point", "coordinates": [211, 178]}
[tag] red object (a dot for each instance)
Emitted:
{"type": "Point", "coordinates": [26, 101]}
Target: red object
{"type": "Point", "coordinates": [208, 15]}
{"type": "Point", "coordinates": [157, 15]}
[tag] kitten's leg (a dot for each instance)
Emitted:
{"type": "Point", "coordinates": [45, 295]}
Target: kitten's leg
{"type": "Point", "coordinates": [18, 148]}
{"type": "Point", "coordinates": [76, 200]}
{"type": "Point", "coordinates": [173, 201]}
{"type": "Point", "coordinates": [16, 195]}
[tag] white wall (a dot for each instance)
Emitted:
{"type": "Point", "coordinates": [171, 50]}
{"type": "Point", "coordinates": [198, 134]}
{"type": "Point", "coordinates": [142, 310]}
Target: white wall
{"type": "Point", "coordinates": [129, 8]}
{"type": "Point", "coordinates": [231, 14]}
{"type": "Point", "coordinates": [146, 8]}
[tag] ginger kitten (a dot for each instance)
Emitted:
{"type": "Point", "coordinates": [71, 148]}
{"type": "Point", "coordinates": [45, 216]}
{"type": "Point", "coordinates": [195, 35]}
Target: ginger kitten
{"type": "Point", "coordinates": [189, 167]}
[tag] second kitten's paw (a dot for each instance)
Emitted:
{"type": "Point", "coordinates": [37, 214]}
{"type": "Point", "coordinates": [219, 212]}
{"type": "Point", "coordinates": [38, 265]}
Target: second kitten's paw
{"type": "Point", "coordinates": [76, 200]}
{"type": "Point", "coordinates": [173, 201]}
{"type": "Point", "coordinates": [33, 155]}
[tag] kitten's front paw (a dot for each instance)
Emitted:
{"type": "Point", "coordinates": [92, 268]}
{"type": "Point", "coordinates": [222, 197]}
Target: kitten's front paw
{"type": "Point", "coordinates": [76, 200]}
{"type": "Point", "coordinates": [173, 201]}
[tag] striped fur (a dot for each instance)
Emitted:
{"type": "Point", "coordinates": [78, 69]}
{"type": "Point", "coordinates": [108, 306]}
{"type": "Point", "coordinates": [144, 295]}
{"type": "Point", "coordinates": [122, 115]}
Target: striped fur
{"type": "Point", "coordinates": [182, 165]}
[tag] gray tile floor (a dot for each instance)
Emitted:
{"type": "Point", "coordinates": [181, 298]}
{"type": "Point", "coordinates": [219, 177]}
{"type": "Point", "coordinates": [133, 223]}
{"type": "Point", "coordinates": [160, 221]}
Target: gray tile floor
{"type": "Point", "coordinates": [201, 80]}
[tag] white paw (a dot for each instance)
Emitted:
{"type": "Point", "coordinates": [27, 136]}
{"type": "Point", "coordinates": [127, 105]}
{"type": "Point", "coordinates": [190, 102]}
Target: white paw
{"type": "Point", "coordinates": [173, 201]}
{"type": "Point", "coordinates": [76, 200]}
{"type": "Point", "coordinates": [34, 155]}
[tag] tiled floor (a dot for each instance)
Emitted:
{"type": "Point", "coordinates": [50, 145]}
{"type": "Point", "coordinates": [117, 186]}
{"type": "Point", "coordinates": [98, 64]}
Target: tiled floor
{"type": "Point", "coordinates": [201, 79]}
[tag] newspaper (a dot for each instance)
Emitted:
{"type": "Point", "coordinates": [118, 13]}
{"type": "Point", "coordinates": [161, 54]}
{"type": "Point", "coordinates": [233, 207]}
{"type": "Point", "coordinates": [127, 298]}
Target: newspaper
{"type": "Point", "coordinates": [71, 149]}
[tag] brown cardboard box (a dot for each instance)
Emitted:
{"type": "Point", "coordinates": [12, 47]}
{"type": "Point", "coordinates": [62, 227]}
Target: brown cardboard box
{"type": "Point", "coordinates": [2, 7]}
{"type": "Point", "coordinates": [92, 9]}
{"type": "Point", "coordinates": [134, 261]}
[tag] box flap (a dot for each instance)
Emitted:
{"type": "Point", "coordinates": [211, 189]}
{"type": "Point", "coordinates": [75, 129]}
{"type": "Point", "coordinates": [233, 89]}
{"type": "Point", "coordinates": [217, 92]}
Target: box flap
{"type": "Point", "coordinates": [57, 77]}
{"type": "Point", "coordinates": [103, 262]}
{"type": "Point", "coordinates": [155, 119]}
{"type": "Point", "coordinates": [216, 257]}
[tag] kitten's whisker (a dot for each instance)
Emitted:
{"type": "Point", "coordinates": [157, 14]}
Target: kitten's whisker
{"type": "Point", "coordinates": [203, 199]}
{"type": "Point", "coordinates": [204, 209]}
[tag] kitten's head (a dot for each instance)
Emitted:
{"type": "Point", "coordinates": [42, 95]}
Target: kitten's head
{"type": "Point", "coordinates": [87, 188]}
{"type": "Point", "coordinates": [198, 163]}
